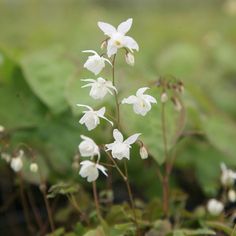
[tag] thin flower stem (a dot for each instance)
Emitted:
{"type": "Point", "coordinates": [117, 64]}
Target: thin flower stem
{"type": "Point", "coordinates": [116, 96]}
{"type": "Point", "coordinates": [233, 231]}
{"type": "Point", "coordinates": [95, 196]}
{"type": "Point", "coordinates": [25, 206]}
{"type": "Point", "coordinates": [117, 167]}
{"type": "Point", "coordinates": [130, 194]}
{"type": "Point", "coordinates": [165, 180]}
{"type": "Point", "coordinates": [49, 211]}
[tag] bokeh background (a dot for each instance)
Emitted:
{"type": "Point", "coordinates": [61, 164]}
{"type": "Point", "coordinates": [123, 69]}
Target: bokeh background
{"type": "Point", "coordinates": [41, 65]}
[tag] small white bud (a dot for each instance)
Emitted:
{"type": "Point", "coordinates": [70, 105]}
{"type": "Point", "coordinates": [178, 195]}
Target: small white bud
{"type": "Point", "coordinates": [34, 167]}
{"type": "Point", "coordinates": [215, 207]}
{"type": "Point", "coordinates": [16, 164]}
{"type": "Point", "coordinates": [164, 97]}
{"type": "Point", "coordinates": [143, 152]}
{"type": "Point", "coordinates": [2, 129]}
{"type": "Point", "coordinates": [5, 156]}
{"type": "Point", "coordinates": [104, 44]}
{"type": "Point", "coordinates": [177, 104]}
{"type": "Point", "coordinates": [232, 195]}
{"type": "Point", "coordinates": [129, 58]}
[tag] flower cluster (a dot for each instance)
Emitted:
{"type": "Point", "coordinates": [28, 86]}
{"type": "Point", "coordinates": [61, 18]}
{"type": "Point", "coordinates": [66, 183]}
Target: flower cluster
{"type": "Point", "coordinates": [228, 179]}
{"type": "Point", "coordinates": [99, 88]}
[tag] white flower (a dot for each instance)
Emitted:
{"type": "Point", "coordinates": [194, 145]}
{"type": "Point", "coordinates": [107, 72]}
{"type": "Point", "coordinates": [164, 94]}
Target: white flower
{"type": "Point", "coordinates": [117, 38]}
{"type": "Point", "coordinates": [215, 207]}
{"type": "Point", "coordinates": [34, 167]}
{"type": "Point", "coordinates": [95, 63]}
{"type": "Point", "coordinates": [99, 87]}
{"type": "Point", "coordinates": [228, 176]}
{"type": "Point", "coordinates": [129, 58]}
{"type": "Point", "coordinates": [143, 152]}
{"type": "Point", "coordinates": [88, 148]}
{"type": "Point", "coordinates": [119, 148]}
{"type": "Point", "coordinates": [16, 162]}
{"type": "Point", "coordinates": [141, 102]}
{"type": "Point", "coordinates": [91, 117]}
{"type": "Point", "coordinates": [90, 169]}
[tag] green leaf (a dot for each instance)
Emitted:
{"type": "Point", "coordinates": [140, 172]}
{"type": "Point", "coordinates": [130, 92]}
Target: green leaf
{"type": "Point", "coordinates": [96, 232]}
{"type": "Point", "coordinates": [186, 232]}
{"type": "Point", "coordinates": [220, 227]}
{"type": "Point", "coordinates": [62, 188]}
{"type": "Point", "coordinates": [46, 72]}
{"type": "Point", "coordinates": [58, 232]}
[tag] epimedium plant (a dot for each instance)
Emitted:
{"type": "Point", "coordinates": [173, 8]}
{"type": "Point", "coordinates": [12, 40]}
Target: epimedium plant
{"type": "Point", "coordinates": [120, 149]}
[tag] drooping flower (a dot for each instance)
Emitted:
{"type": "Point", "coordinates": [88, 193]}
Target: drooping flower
{"type": "Point", "coordinates": [88, 148]}
{"type": "Point", "coordinates": [95, 63]}
{"type": "Point", "coordinates": [228, 177]}
{"type": "Point", "coordinates": [232, 195]}
{"type": "Point", "coordinates": [119, 148]}
{"type": "Point", "coordinates": [141, 102]}
{"type": "Point", "coordinates": [91, 118]}
{"type": "Point", "coordinates": [117, 37]}
{"type": "Point", "coordinates": [34, 167]}
{"type": "Point", "coordinates": [129, 58]}
{"type": "Point", "coordinates": [143, 152]}
{"type": "Point", "coordinates": [90, 171]}
{"type": "Point", "coordinates": [99, 87]}
{"type": "Point", "coordinates": [17, 162]}
{"type": "Point", "coordinates": [215, 207]}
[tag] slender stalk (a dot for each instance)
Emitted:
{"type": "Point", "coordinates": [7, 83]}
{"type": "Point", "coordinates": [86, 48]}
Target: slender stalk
{"type": "Point", "coordinates": [165, 180]}
{"type": "Point", "coordinates": [95, 196]}
{"type": "Point", "coordinates": [130, 193]}
{"type": "Point", "coordinates": [49, 211]}
{"type": "Point", "coordinates": [35, 210]}
{"type": "Point", "coordinates": [25, 206]}
{"type": "Point", "coordinates": [233, 231]}
{"type": "Point", "coordinates": [116, 97]}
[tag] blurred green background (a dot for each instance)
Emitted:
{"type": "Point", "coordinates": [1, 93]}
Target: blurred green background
{"type": "Point", "coordinates": [41, 65]}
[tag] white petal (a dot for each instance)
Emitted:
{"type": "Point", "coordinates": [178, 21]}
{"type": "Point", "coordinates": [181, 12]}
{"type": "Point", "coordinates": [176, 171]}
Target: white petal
{"type": "Point", "coordinates": [109, 146]}
{"type": "Point", "coordinates": [89, 80]}
{"type": "Point", "coordinates": [118, 135]}
{"type": "Point", "coordinates": [125, 26]}
{"type": "Point", "coordinates": [150, 98]}
{"type": "Point", "coordinates": [101, 112]}
{"type": "Point", "coordinates": [81, 105]}
{"type": "Point", "coordinates": [93, 175]}
{"type": "Point", "coordinates": [141, 91]}
{"type": "Point", "coordinates": [107, 61]}
{"type": "Point", "coordinates": [111, 48]}
{"type": "Point", "coordinates": [132, 139]}
{"type": "Point", "coordinates": [101, 80]}
{"type": "Point", "coordinates": [130, 43]}
{"type": "Point", "coordinates": [107, 28]}
{"type": "Point", "coordinates": [102, 168]}
{"type": "Point", "coordinates": [90, 51]}
{"type": "Point", "coordinates": [107, 120]}
{"type": "Point", "coordinates": [130, 100]}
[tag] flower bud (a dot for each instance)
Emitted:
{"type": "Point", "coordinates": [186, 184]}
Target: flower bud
{"type": "Point", "coordinates": [215, 207]}
{"type": "Point", "coordinates": [143, 152]}
{"type": "Point", "coordinates": [177, 104]}
{"type": "Point", "coordinates": [2, 129]}
{"type": "Point", "coordinates": [129, 58]}
{"type": "Point", "coordinates": [104, 44]}
{"type": "Point", "coordinates": [16, 164]}
{"type": "Point", "coordinates": [34, 167]}
{"type": "Point", "coordinates": [164, 97]}
{"type": "Point", "coordinates": [232, 195]}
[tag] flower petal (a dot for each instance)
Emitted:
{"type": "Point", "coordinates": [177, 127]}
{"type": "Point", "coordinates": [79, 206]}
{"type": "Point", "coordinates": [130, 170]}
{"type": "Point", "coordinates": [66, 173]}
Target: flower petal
{"type": "Point", "coordinates": [102, 169]}
{"type": "Point", "coordinates": [118, 135]}
{"type": "Point", "coordinates": [101, 112]}
{"type": "Point", "coordinates": [90, 51]}
{"type": "Point", "coordinates": [111, 48]}
{"type": "Point", "coordinates": [150, 98]}
{"type": "Point", "coordinates": [130, 100]}
{"type": "Point", "coordinates": [125, 26]}
{"type": "Point", "coordinates": [130, 43]}
{"type": "Point", "coordinates": [81, 105]}
{"type": "Point", "coordinates": [132, 139]}
{"type": "Point", "coordinates": [141, 91]}
{"type": "Point", "coordinates": [107, 28]}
